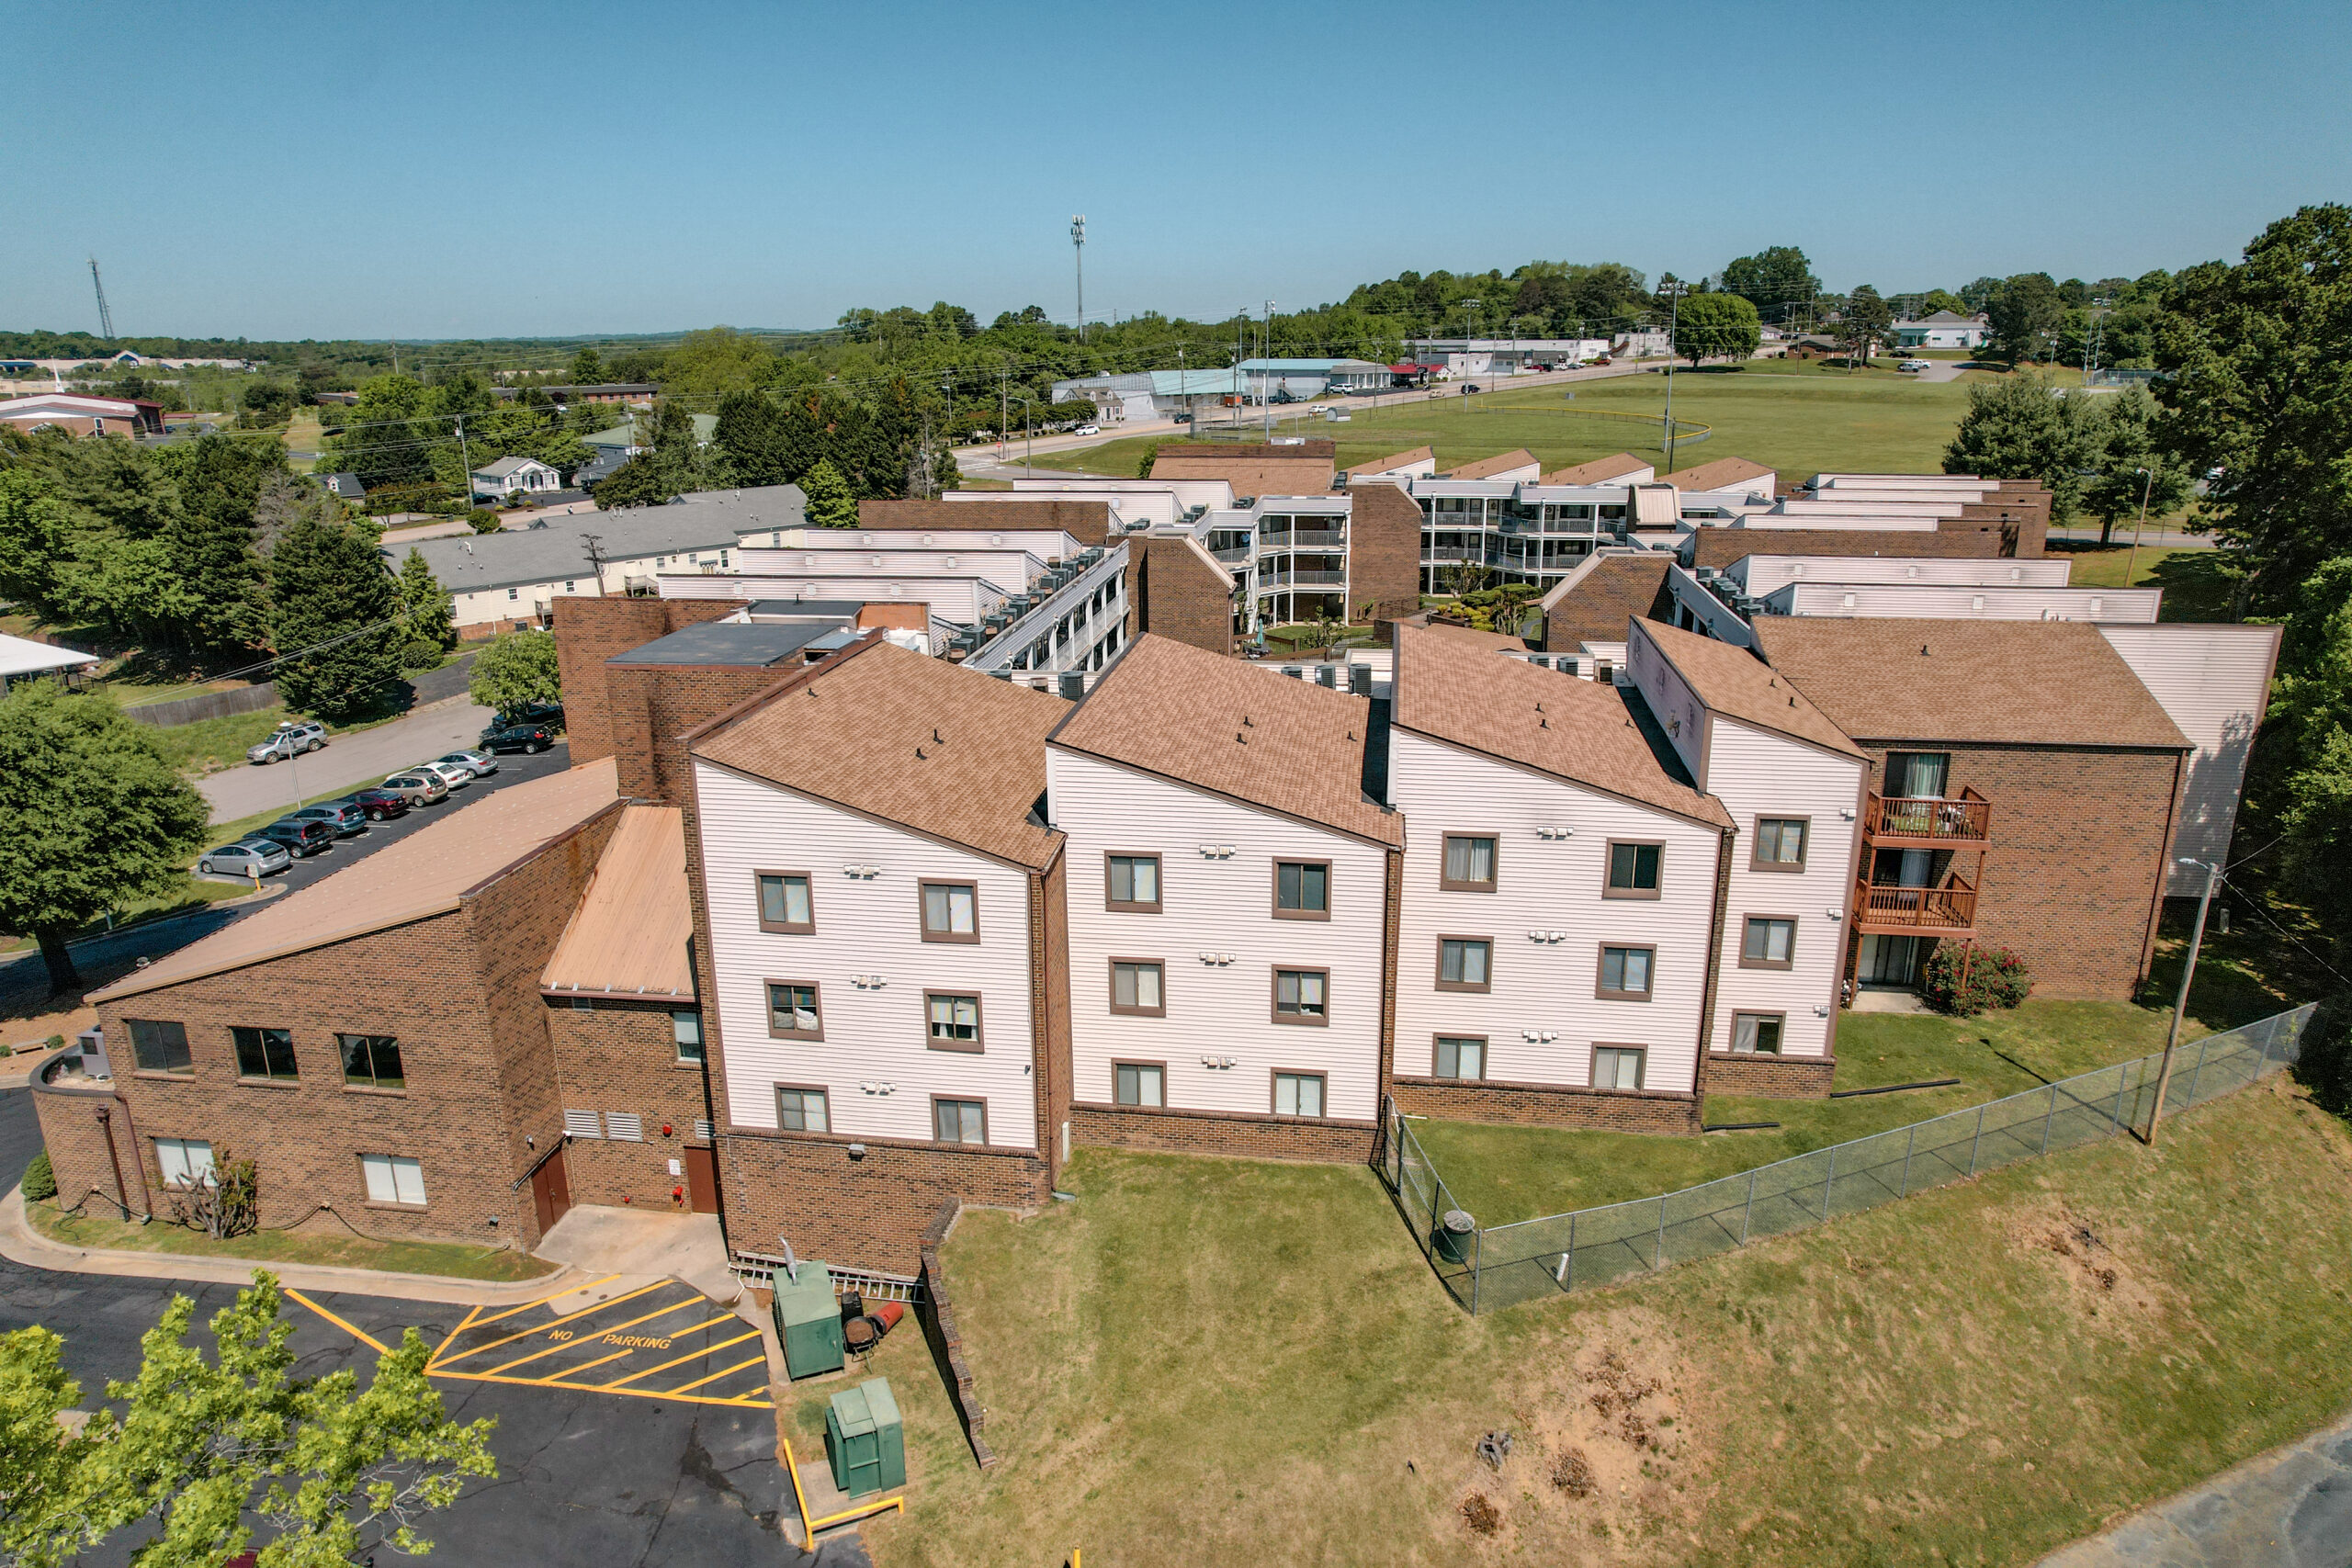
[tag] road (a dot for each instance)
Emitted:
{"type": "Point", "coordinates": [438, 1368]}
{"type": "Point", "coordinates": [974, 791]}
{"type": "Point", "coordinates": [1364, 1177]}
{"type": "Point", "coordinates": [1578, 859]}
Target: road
{"type": "Point", "coordinates": [349, 763]}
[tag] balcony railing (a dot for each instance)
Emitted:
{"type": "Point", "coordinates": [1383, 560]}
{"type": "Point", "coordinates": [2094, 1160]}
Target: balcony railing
{"type": "Point", "coordinates": [1950, 821]}
{"type": "Point", "coordinates": [1286, 579]}
{"type": "Point", "coordinates": [1948, 909]}
{"type": "Point", "coordinates": [1235, 554]}
{"type": "Point", "coordinates": [1303, 539]}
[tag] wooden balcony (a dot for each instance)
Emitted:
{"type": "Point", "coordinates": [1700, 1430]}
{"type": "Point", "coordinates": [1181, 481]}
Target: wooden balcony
{"type": "Point", "coordinates": [1961, 822]}
{"type": "Point", "coordinates": [1946, 910]}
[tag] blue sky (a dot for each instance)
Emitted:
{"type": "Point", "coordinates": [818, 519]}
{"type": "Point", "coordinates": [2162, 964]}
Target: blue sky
{"type": "Point", "coordinates": [425, 170]}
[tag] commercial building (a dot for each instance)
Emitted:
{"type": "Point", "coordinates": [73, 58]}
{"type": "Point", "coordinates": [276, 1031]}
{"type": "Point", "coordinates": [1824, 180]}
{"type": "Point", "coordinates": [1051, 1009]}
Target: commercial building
{"type": "Point", "coordinates": [83, 416]}
{"type": "Point", "coordinates": [1943, 329]}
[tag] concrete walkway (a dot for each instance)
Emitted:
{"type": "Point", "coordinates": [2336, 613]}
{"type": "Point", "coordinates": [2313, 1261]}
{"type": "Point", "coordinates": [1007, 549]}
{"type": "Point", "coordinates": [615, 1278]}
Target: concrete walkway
{"type": "Point", "coordinates": [644, 1244]}
{"type": "Point", "coordinates": [2291, 1509]}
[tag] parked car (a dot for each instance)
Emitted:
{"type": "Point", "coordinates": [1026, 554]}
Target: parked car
{"type": "Point", "coordinates": [248, 858]}
{"type": "Point", "coordinates": [289, 740]}
{"type": "Point", "coordinates": [549, 714]}
{"type": "Point", "coordinates": [343, 818]}
{"type": "Point", "coordinates": [1915, 365]}
{"type": "Point", "coordinates": [481, 764]}
{"type": "Point", "coordinates": [381, 805]}
{"type": "Point", "coordinates": [451, 773]}
{"type": "Point", "coordinates": [529, 739]}
{"type": "Point", "coordinates": [1088, 430]}
{"type": "Point", "coordinates": [304, 839]}
{"type": "Point", "coordinates": [418, 788]}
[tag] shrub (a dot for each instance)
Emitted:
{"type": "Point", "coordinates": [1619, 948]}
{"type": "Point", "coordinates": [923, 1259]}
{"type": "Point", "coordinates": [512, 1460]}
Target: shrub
{"type": "Point", "coordinates": [40, 1178]}
{"type": "Point", "coordinates": [484, 520]}
{"type": "Point", "coordinates": [1995, 979]}
{"type": "Point", "coordinates": [420, 653]}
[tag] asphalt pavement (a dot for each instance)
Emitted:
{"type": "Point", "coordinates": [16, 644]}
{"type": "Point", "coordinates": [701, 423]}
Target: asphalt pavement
{"type": "Point", "coordinates": [349, 761]}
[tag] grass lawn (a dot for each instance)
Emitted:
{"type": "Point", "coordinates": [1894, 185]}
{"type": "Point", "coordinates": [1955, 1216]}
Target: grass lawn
{"type": "Point", "coordinates": [321, 1240]}
{"type": "Point", "coordinates": [1220, 1361]}
{"type": "Point", "coordinates": [2197, 582]}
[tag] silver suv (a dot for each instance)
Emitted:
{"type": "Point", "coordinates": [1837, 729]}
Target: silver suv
{"type": "Point", "coordinates": [418, 787]}
{"type": "Point", "coordinates": [290, 739]}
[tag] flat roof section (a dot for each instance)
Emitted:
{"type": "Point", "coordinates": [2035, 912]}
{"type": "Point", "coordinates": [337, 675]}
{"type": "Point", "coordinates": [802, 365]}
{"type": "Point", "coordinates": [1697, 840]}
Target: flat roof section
{"type": "Point", "coordinates": [756, 644]}
{"type": "Point", "coordinates": [629, 936]}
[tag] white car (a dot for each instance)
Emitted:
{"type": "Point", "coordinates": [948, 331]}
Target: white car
{"type": "Point", "coordinates": [289, 740]}
{"type": "Point", "coordinates": [1088, 430]}
{"type": "Point", "coordinates": [449, 773]}
{"type": "Point", "coordinates": [481, 765]}
{"type": "Point", "coordinates": [1915, 365]}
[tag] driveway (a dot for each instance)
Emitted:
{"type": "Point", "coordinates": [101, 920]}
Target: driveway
{"type": "Point", "coordinates": [2291, 1509]}
{"type": "Point", "coordinates": [349, 763]}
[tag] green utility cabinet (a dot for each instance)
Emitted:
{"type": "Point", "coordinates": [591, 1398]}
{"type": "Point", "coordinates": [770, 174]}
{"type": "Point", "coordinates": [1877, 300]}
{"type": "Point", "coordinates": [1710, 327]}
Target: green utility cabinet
{"type": "Point", "coordinates": [809, 1322]}
{"type": "Point", "coordinates": [864, 1440]}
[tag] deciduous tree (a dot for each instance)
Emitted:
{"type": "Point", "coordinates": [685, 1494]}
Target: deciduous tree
{"type": "Point", "coordinates": [516, 670]}
{"type": "Point", "coordinates": [2022, 426]}
{"type": "Point", "coordinates": [1774, 280]}
{"type": "Point", "coordinates": [2133, 471]}
{"type": "Point", "coordinates": [2026, 313]}
{"type": "Point", "coordinates": [1716, 326]}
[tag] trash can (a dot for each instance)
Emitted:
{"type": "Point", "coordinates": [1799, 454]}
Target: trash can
{"type": "Point", "coordinates": [809, 1322]}
{"type": "Point", "coordinates": [1456, 1234]}
{"type": "Point", "coordinates": [864, 1440]}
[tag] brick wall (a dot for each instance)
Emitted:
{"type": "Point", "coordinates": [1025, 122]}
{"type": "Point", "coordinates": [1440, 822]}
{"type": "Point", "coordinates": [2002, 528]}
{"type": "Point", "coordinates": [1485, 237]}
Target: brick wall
{"type": "Point", "coordinates": [589, 631]}
{"type": "Point", "coordinates": [619, 1055]}
{"type": "Point", "coordinates": [1544, 1105]}
{"type": "Point", "coordinates": [1769, 1077]}
{"type": "Point", "coordinates": [937, 1310]}
{"type": "Point", "coordinates": [654, 704]}
{"type": "Point", "coordinates": [76, 1142]}
{"type": "Point", "coordinates": [1221, 1132]}
{"type": "Point", "coordinates": [1384, 552]}
{"type": "Point", "coordinates": [1172, 593]}
{"type": "Point", "coordinates": [863, 1213]}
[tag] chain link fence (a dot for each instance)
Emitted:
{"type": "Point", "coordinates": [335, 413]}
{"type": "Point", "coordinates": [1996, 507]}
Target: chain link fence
{"type": "Point", "coordinates": [1505, 1265]}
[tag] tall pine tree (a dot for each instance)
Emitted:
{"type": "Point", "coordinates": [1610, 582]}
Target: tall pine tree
{"type": "Point", "coordinates": [335, 617]}
{"type": "Point", "coordinates": [432, 620]}
{"type": "Point", "coordinates": [211, 536]}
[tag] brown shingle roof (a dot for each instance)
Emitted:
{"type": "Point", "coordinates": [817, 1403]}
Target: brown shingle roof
{"type": "Point", "coordinates": [1721, 547]}
{"type": "Point", "coordinates": [1251, 469]}
{"type": "Point", "coordinates": [1737, 684]}
{"type": "Point", "coordinates": [1593, 605]}
{"type": "Point", "coordinates": [1488, 468]}
{"type": "Point", "coordinates": [1395, 460]}
{"type": "Point", "coordinates": [1251, 734]}
{"type": "Point", "coordinates": [628, 937]}
{"type": "Point", "coordinates": [2025, 683]}
{"type": "Point", "coordinates": [1089, 522]}
{"type": "Point", "coordinates": [1557, 723]}
{"type": "Point", "coordinates": [882, 731]}
{"type": "Point", "coordinates": [1599, 471]}
{"type": "Point", "coordinates": [427, 873]}
{"type": "Point", "coordinates": [1471, 636]}
{"type": "Point", "coordinates": [1719, 474]}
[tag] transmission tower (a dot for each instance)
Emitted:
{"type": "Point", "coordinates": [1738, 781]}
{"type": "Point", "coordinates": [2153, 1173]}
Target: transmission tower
{"type": "Point", "coordinates": [106, 317]}
{"type": "Point", "coordinates": [1078, 245]}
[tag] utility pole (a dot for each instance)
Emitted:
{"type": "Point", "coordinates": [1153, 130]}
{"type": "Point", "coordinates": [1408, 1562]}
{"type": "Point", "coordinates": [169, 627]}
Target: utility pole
{"type": "Point", "coordinates": [593, 544]}
{"type": "Point", "coordinates": [1266, 376]}
{"type": "Point", "coordinates": [2180, 1002]}
{"type": "Point", "coordinates": [1003, 410]}
{"type": "Point", "coordinates": [1240, 319]}
{"type": "Point", "coordinates": [106, 317]}
{"type": "Point", "coordinates": [1077, 243]}
{"type": "Point", "coordinates": [1673, 321]}
{"type": "Point", "coordinates": [1470, 342]}
{"type": "Point", "coordinates": [468, 462]}
{"type": "Point", "coordinates": [2131, 566]}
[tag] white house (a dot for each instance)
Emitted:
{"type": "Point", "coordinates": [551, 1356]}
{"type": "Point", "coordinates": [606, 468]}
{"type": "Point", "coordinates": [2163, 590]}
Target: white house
{"type": "Point", "coordinates": [1228, 883]}
{"type": "Point", "coordinates": [1945, 328]}
{"type": "Point", "coordinates": [515, 476]}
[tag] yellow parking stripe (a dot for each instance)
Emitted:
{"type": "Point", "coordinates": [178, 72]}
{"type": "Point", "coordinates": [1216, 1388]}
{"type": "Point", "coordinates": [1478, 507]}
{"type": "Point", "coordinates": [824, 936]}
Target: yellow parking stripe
{"type": "Point", "coordinates": [560, 1321]}
{"type": "Point", "coordinates": [758, 1360]}
{"type": "Point", "coordinates": [446, 1338]}
{"type": "Point", "coordinates": [690, 1355]}
{"type": "Point", "coordinates": [739, 1401]}
{"type": "Point", "coordinates": [596, 1334]}
{"type": "Point", "coordinates": [545, 1300]}
{"type": "Point", "coordinates": [558, 1380]}
{"type": "Point", "coordinates": [356, 1333]}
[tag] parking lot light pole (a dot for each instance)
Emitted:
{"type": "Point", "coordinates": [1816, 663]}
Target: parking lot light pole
{"type": "Point", "coordinates": [2180, 1001]}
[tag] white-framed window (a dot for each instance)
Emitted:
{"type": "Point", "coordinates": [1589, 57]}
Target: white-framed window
{"type": "Point", "coordinates": [1299, 1094]}
{"type": "Point", "coordinates": [393, 1179]}
{"type": "Point", "coordinates": [1617, 1067]}
{"type": "Point", "coordinates": [686, 1029]}
{"type": "Point", "coordinates": [185, 1162]}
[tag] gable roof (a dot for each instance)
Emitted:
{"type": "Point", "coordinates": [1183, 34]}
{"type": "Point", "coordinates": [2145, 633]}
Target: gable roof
{"type": "Point", "coordinates": [886, 732]}
{"type": "Point", "coordinates": [1721, 474]}
{"type": "Point", "coordinates": [514, 557]}
{"type": "Point", "coordinates": [427, 873]}
{"type": "Point", "coordinates": [1247, 733]}
{"type": "Point", "coordinates": [1394, 461]}
{"type": "Point", "coordinates": [2024, 683]}
{"type": "Point", "coordinates": [1581, 730]}
{"type": "Point", "coordinates": [1593, 602]}
{"type": "Point", "coordinates": [629, 935]}
{"type": "Point", "coordinates": [1251, 468]}
{"type": "Point", "coordinates": [1737, 685]}
{"type": "Point", "coordinates": [505, 466]}
{"type": "Point", "coordinates": [1721, 547]}
{"type": "Point", "coordinates": [1489, 467]}
{"type": "Point", "coordinates": [1089, 522]}
{"type": "Point", "coordinates": [1600, 471]}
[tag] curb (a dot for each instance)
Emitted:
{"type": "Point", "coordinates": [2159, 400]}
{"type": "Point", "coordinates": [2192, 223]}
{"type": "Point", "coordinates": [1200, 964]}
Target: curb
{"type": "Point", "coordinates": [20, 1244]}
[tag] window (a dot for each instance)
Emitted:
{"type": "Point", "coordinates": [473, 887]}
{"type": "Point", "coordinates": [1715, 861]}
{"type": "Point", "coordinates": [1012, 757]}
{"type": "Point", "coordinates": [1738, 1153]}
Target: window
{"type": "Point", "coordinates": [265, 1053]}
{"type": "Point", "coordinates": [512, 593]}
{"type": "Point", "coordinates": [1461, 1056]}
{"type": "Point", "coordinates": [567, 586]}
{"type": "Point", "coordinates": [393, 1179]}
{"type": "Point", "coordinates": [1131, 883]}
{"type": "Point", "coordinates": [785, 902]}
{"type": "Point", "coordinates": [1134, 987]}
{"type": "Point", "coordinates": [1299, 1094]}
{"type": "Point", "coordinates": [954, 1020]}
{"type": "Point", "coordinates": [1916, 775]}
{"type": "Point", "coordinates": [1626, 973]}
{"type": "Point", "coordinates": [1462, 963]}
{"type": "Point", "coordinates": [1469, 864]}
{"type": "Point", "coordinates": [1617, 1067]}
{"type": "Point", "coordinates": [185, 1162]}
{"type": "Point", "coordinates": [950, 911]}
{"type": "Point", "coordinates": [960, 1120]}
{"type": "Point", "coordinates": [685, 1028]}
{"type": "Point", "coordinates": [793, 1012]}
{"type": "Point", "coordinates": [159, 1047]}
{"type": "Point", "coordinates": [1138, 1083]}
{"type": "Point", "coordinates": [1302, 890]}
{"type": "Point", "coordinates": [1299, 997]}
{"type": "Point", "coordinates": [1770, 943]}
{"type": "Point", "coordinates": [801, 1110]}
{"type": "Point", "coordinates": [1632, 870]}
{"type": "Point", "coordinates": [1756, 1032]}
{"type": "Point", "coordinates": [371, 1061]}
{"type": "Point", "coordinates": [1780, 844]}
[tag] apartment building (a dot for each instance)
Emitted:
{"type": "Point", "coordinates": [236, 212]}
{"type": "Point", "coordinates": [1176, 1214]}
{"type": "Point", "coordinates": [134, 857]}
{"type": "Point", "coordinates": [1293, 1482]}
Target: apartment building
{"type": "Point", "coordinates": [1233, 890]}
{"type": "Point", "coordinates": [882, 903]}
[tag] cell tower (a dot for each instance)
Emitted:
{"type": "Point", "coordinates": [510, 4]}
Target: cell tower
{"type": "Point", "coordinates": [106, 317]}
{"type": "Point", "coordinates": [1077, 243]}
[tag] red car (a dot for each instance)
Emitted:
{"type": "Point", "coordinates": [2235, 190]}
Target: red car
{"type": "Point", "coordinates": [381, 805]}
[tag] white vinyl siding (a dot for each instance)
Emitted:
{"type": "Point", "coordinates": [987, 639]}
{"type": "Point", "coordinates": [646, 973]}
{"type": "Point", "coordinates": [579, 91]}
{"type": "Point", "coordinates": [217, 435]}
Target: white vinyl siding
{"type": "Point", "coordinates": [2213, 681]}
{"type": "Point", "coordinates": [2121, 606]}
{"type": "Point", "coordinates": [1762, 573]}
{"type": "Point", "coordinates": [1226, 905]}
{"type": "Point", "coordinates": [393, 1179]}
{"type": "Point", "coordinates": [876, 1032]}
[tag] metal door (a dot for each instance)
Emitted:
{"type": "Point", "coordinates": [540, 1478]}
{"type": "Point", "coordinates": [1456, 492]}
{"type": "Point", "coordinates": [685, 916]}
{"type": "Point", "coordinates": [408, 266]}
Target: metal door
{"type": "Point", "coordinates": [551, 1191]}
{"type": "Point", "coordinates": [702, 1179]}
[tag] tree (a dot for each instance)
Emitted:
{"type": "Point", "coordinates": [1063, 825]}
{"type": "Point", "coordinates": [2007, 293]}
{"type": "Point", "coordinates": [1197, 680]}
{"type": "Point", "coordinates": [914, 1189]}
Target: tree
{"type": "Point", "coordinates": [1775, 281]}
{"type": "Point", "coordinates": [1864, 321]}
{"type": "Point", "coordinates": [432, 616]}
{"type": "Point", "coordinates": [832, 504]}
{"type": "Point", "coordinates": [91, 817]}
{"type": "Point", "coordinates": [2132, 470]}
{"type": "Point", "coordinates": [2024, 427]}
{"type": "Point", "coordinates": [587, 368]}
{"type": "Point", "coordinates": [335, 618]}
{"type": "Point", "coordinates": [34, 534]}
{"type": "Point", "coordinates": [516, 670]}
{"type": "Point", "coordinates": [203, 1442]}
{"type": "Point", "coordinates": [1716, 326]}
{"type": "Point", "coordinates": [2026, 314]}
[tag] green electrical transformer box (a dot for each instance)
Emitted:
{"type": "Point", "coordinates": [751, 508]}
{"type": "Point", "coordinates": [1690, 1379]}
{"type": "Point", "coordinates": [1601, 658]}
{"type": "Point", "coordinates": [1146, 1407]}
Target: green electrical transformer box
{"type": "Point", "coordinates": [863, 1439]}
{"type": "Point", "coordinates": [809, 1322]}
